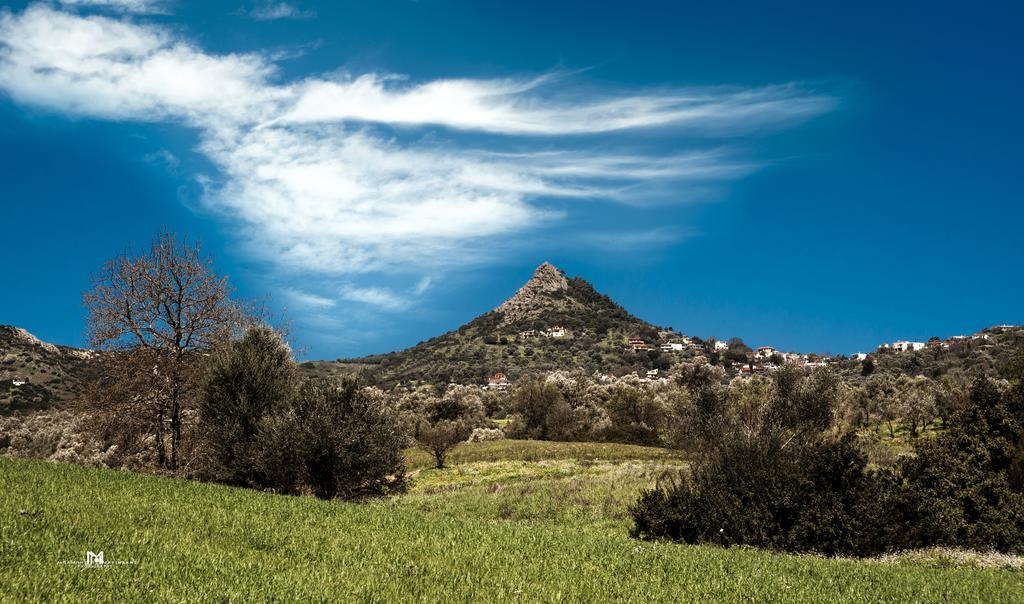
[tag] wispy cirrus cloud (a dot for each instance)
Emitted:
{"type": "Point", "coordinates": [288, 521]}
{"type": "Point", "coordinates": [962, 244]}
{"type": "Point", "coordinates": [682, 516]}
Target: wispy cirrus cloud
{"type": "Point", "coordinates": [272, 11]}
{"type": "Point", "coordinates": [347, 175]}
{"type": "Point", "coordinates": [378, 297]}
{"type": "Point", "coordinates": [518, 107]}
{"type": "Point", "coordinates": [307, 300]}
{"type": "Point", "coordinates": [142, 7]}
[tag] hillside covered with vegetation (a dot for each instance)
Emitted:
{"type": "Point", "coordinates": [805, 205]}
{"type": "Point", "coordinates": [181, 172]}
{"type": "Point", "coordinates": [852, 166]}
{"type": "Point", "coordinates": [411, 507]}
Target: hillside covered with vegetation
{"type": "Point", "coordinates": [36, 375]}
{"type": "Point", "coordinates": [512, 339]}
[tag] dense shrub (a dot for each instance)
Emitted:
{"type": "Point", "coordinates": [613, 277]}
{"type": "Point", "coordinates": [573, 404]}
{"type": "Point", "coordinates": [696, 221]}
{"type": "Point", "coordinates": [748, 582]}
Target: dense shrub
{"type": "Point", "coordinates": [779, 478]}
{"type": "Point", "coordinates": [965, 487]}
{"type": "Point", "coordinates": [540, 411]}
{"type": "Point", "coordinates": [636, 415]}
{"type": "Point", "coordinates": [333, 440]}
{"type": "Point", "coordinates": [245, 382]}
{"type": "Point", "coordinates": [810, 497]}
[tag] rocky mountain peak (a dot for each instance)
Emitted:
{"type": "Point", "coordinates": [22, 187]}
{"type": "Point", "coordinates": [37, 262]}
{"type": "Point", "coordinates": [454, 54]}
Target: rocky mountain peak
{"type": "Point", "coordinates": [545, 284]}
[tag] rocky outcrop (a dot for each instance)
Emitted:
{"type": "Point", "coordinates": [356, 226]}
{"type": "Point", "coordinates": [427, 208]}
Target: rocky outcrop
{"type": "Point", "coordinates": [547, 289]}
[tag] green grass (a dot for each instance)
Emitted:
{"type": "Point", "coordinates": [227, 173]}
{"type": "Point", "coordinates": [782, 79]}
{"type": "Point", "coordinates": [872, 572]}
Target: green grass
{"type": "Point", "coordinates": [444, 541]}
{"type": "Point", "coordinates": [539, 450]}
{"type": "Point", "coordinates": [565, 493]}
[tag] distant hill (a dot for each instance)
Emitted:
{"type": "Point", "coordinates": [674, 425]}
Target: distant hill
{"type": "Point", "coordinates": [551, 322]}
{"type": "Point", "coordinates": [985, 352]}
{"type": "Point", "coordinates": [35, 375]}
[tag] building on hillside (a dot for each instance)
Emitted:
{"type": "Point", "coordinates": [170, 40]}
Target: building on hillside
{"type": "Point", "coordinates": [764, 352]}
{"type": "Point", "coordinates": [555, 331]}
{"type": "Point", "coordinates": [721, 346]}
{"type": "Point", "coordinates": [19, 381]}
{"type": "Point", "coordinates": [652, 374]}
{"type": "Point", "coordinates": [498, 381]}
{"type": "Point", "coordinates": [671, 347]}
{"type": "Point", "coordinates": [638, 343]}
{"type": "Point", "coordinates": [529, 333]}
{"type": "Point", "coordinates": [905, 346]}
{"type": "Point", "coordinates": [859, 356]}
{"type": "Point", "coordinates": [794, 358]}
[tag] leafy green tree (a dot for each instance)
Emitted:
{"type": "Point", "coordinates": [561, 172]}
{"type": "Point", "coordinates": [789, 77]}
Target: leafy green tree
{"type": "Point", "coordinates": [440, 437]}
{"type": "Point", "coordinates": [541, 411]}
{"type": "Point", "coordinates": [965, 487]}
{"type": "Point", "coordinates": [245, 381]}
{"type": "Point", "coordinates": [334, 440]}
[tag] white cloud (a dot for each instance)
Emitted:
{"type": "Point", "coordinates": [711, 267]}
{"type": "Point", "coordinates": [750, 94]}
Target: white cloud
{"type": "Point", "coordinates": [164, 158]}
{"type": "Point", "coordinates": [271, 11]}
{"type": "Point", "coordinates": [631, 239]}
{"type": "Point", "coordinates": [124, 6]}
{"type": "Point", "coordinates": [307, 300]}
{"type": "Point", "coordinates": [423, 285]}
{"type": "Point", "coordinates": [507, 106]}
{"type": "Point", "coordinates": [375, 296]}
{"type": "Point", "coordinates": [317, 181]}
{"type": "Point", "coordinates": [102, 67]}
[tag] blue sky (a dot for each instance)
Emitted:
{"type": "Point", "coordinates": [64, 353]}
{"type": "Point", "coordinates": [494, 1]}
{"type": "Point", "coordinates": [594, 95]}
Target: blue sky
{"type": "Point", "coordinates": [817, 177]}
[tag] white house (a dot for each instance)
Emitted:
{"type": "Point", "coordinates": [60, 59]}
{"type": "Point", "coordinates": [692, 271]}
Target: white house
{"type": "Point", "coordinates": [720, 346]}
{"type": "Point", "coordinates": [653, 373]}
{"type": "Point", "coordinates": [764, 352]}
{"type": "Point", "coordinates": [859, 356]}
{"type": "Point", "coordinates": [19, 381]}
{"type": "Point", "coordinates": [671, 346]}
{"type": "Point", "coordinates": [905, 346]}
{"type": "Point", "coordinates": [555, 331]}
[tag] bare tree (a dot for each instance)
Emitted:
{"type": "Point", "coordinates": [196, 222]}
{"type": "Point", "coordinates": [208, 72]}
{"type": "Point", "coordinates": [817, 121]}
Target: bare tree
{"type": "Point", "coordinates": [159, 312]}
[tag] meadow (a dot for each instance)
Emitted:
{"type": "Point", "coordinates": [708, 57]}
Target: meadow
{"type": "Point", "coordinates": [508, 521]}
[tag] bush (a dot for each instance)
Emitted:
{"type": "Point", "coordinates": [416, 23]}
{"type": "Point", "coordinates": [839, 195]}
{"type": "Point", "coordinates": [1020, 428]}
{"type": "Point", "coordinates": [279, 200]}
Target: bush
{"type": "Point", "coordinates": [486, 434]}
{"type": "Point", "coordinates": [245, 382]}
{"type": "Point", "coordinates": [806, 498]}
{"type": "Point", "coordinates": [636, 415]}
{"type": "Point", "coordinates": [783, 482]}
{"type": "Point", "coordinates": [540, 412]}
{"type": "Point", "coordinates": [965, 487]}
{"type": "Point", "coordinates": [333, 440]}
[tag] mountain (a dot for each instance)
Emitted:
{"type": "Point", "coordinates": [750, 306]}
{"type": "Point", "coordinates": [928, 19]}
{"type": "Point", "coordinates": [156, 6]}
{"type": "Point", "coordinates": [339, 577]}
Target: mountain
{"type": "Point", "coordinates": [551, 322]}
{"type": "Point", "coordinates": [35, 374]}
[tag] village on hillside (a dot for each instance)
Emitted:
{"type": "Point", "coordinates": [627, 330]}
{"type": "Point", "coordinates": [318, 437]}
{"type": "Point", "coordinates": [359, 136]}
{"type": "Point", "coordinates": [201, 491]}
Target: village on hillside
{"type": "Point", "coordinates": [751, 361]}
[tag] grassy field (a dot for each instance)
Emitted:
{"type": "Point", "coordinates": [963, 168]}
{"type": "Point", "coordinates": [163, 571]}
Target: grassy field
{"type": "Point", "coordinates": [539, 450]}
{"type": "Point", "coordinates": [532, 528]}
